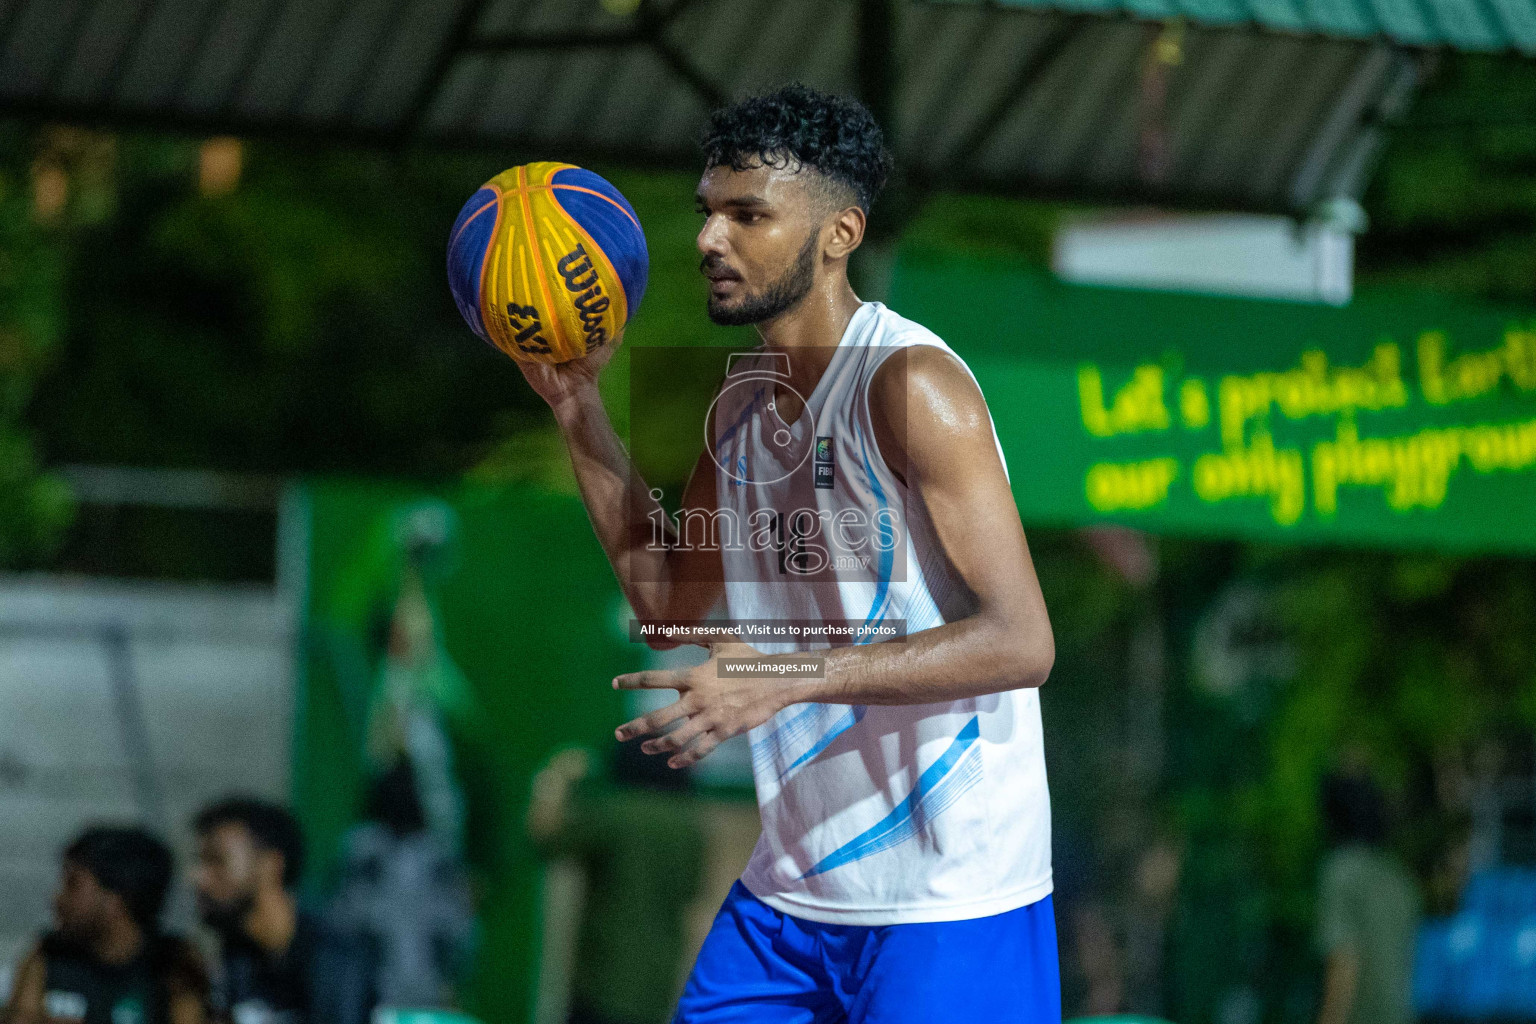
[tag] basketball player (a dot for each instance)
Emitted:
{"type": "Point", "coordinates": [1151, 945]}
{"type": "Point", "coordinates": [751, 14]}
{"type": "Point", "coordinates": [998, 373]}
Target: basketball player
{"type": "Point", "coordinates": [903, 873]}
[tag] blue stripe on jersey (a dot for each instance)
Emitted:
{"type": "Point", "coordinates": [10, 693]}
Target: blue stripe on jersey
{"type": "Point", "coordinates": [955, 771]}
{"type": "Point", "coordinates": [851, 718]}
{"type": "Point", "coordinates": [887, 554]}
{"type": "Point", "coordinates": [741, 421]}
{"type": "Point", "coordinates": [801, 723]}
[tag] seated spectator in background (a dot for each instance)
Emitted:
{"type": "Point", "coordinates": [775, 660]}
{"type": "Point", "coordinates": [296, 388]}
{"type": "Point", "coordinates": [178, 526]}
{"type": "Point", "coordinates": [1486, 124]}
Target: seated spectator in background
{"type": "Point", "coordinates": [1368, 910]}
{"type": "Point", "coordinates": [280, 964]}
{"type": "Point", "coordinates": [641, 845]}
{"type": "Point", "coordinates": [404, 893]}
{"type": "Point", "coordinates": [108, 962]}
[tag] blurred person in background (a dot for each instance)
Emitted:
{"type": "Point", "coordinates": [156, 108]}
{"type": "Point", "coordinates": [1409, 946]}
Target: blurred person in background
{"type": "Point", "coordinates": [280, 963]}
{"type": "Point", "coordinates": [403, 892]}
{"type": "Point", "coordinates": [640, 841]}
{"type": "Point", "coordinates": [1368, 909]}
{"type": "Point", "coordinates": [107, 961]}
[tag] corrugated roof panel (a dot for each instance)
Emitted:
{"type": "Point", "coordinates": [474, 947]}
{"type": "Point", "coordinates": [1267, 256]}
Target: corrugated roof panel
{"type": "Point", "coordinates": [1021, 137]}
{"type": "Point", "coordinates": [1155, 9]}
{"type": "Point", "coordinates": [225, 56]}
{"type": "Point", "coordinates": [456, 106]}
{"type": "Point", "coordinates": [1287, 134]}
{"type": "Point", "coordinates": [38, 33]}
{"type": "Point", "coordinates": [546, 17]}
{"type": "Point", "coordinates": [797, 27]}
{"type": "Point", "coordinates": [1214, 65]}
{"type": "Point", "coordinates": [980, 61]}
{"type": "Point", "coordinates": [1405, 21]}
{"type": "Point", "coordinates": [1113, 160]}
{"type": "Point", "coordinates": [1519, 20]}
{"type": "Point", "coordinates": [522, 86]}
{"type": "Point", "coordinates": [1335, 127]}
{"type": "Point", "coordinates": [498, 16]}
{"type": "Point", "coordinates": [1216, 12]}
{"type": "Point", "coordinates": [349, 53]}
{"type": "Point", "coordinates": [421, 28]}
{"type": "Point", "coordinates": [1024, 98]}
{"type": "Point", "coordinates": [566, 103]}
{"type": "Point", "coordinates": [1239, 135]}
{"type": "Point", "coordinates": [282, 73]}
{"type": "Point", "coordinates": [1088, 6]}
{"type": "Point", "coordinates": [1339, 66]}
{"type": "Point", "coordinates": [1349, 18]}
{"type": "Point", "coordinates": [1283, 15]}
{"type": "Point", "coordinates": [1113, 142]}
{"type": "Point", "coordinates": [1467, 25]}
{"type": "Point", "coordinates": [1087, 100]}
{"type": "Point", "coordinates": [166, 51]}
{"type": "Point", "coordinates": [94, 51]}
{"type": "Point", "coordinates": [944, 45]}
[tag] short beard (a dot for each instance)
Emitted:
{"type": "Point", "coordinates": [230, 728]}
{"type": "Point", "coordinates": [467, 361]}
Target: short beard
{"type": "Point", "coordinates": [779, 297]}
{"type": "Point", "coordinates": [82, 933]}
{"type": "Point", "coordinates": [226, 918]}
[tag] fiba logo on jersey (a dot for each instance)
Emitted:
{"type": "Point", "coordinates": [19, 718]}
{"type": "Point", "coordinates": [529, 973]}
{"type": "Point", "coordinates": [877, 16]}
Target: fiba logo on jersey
{"type": "Point", "coordinates": [824, 463]}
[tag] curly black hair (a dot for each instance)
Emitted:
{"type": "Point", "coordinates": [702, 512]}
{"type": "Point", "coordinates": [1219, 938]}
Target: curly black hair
{"type": "Point", "coordinates": [271, 828]}
{"type": "Point", "coordinates": [130, 862]}
{"type": "Point", "coordinates": [797, 126]}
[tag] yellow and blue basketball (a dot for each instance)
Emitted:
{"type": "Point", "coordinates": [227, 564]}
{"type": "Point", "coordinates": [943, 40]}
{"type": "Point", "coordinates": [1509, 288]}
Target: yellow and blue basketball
{"type": "Point", "coordinates": [547, 262]}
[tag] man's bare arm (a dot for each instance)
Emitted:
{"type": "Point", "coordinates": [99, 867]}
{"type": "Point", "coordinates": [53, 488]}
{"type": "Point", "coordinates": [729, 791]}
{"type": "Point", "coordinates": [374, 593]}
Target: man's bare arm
{"type": "Point", "coordinates": [950, 463]}
{"type": "Point", "coordinates": [26, 1005]}
{"type": "Point", "coordinates": [1340, 978]}
{"type": "Point", "coordinates": [660, 583]}
{"type": "Point", "coordinates": [949, 460]}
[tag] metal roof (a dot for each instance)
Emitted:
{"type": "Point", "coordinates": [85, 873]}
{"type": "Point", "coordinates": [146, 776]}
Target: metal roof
{"type": "Point", "coordinates": [1030, 99]}
{"type": "Point", "coordinates": [1461, 24]}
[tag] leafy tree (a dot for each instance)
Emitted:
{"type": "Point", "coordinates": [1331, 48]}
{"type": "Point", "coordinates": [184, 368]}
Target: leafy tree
{"type": "Point", "coordinates": [34, 507]}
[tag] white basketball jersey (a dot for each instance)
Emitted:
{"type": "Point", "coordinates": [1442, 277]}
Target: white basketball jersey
{"type": "Point", "coordinates": [881, 814]}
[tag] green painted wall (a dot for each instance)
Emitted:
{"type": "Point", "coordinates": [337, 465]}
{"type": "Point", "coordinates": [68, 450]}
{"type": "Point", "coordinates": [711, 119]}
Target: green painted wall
{"type": "Point", "coordinates": [530, 613]}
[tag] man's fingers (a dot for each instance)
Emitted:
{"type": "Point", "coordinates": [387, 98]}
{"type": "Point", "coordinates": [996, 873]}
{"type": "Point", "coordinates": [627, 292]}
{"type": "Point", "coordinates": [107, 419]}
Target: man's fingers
{"type": "Point", "coordinates": [653, 722]}
{"type": "Point", "coordinates": [701, 748]}
{"type": "Point", "coordinates": [678, 738]}
{"type": "Point", "coordinates": [651, 679]}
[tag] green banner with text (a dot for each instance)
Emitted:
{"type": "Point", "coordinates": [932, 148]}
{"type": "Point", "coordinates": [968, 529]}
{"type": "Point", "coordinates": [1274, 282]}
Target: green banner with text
{"type": "Point", "coordinates": [1403, 420]}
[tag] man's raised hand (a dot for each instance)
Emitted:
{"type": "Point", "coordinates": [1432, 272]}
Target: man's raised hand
{"type": "Point", "coordinates": [710, 708]}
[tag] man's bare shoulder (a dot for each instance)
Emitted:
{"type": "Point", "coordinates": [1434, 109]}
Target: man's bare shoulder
{"type": "Point", "coordinates": [926, 409]}
{"type": "Point", "coordinates": [925, 385]}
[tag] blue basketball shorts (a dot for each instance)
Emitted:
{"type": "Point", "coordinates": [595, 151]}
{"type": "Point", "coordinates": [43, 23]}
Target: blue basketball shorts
{"type": "Point", "coordinates": [759, 966]}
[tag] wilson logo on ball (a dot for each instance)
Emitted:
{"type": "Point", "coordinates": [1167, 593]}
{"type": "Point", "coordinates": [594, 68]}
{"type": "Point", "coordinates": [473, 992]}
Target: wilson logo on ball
{"type": "Point", "coordinates": [581, 280]}
{"type": "Point", "coordinates": [547, 262]}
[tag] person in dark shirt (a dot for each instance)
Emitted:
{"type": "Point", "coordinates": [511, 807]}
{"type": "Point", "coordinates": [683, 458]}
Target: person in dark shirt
{"type": "Point", "coordinates": [107, 962]}
{"type": "Point", "coordinates": [281, 965]}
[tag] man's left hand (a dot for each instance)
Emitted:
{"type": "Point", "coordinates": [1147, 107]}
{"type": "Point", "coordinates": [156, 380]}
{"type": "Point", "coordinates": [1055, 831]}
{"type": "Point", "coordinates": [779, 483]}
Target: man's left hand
{"type": "Point", "coordinates": [709, 709]}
